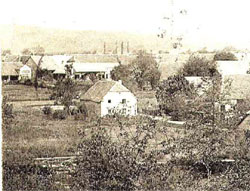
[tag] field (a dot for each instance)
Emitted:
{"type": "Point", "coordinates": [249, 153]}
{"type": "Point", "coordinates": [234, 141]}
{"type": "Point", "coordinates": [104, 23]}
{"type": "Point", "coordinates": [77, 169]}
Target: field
{"type": "Point", "coordinates": [25, 93]}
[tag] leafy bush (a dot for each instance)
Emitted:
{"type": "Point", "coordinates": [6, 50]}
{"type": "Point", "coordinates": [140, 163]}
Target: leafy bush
{"type": "Point", "coordinates": [83, 109]}
{"type": "Point", "coordinates": [47, 110]}
{"type": "Point", "coordinates": [60, 114]}
{"type": "Point", "coordinates": [7, 112]}
{"type": "Point", "coordinates": [27, 177]}
{"type": "Point", "coordinates": [79, 116]}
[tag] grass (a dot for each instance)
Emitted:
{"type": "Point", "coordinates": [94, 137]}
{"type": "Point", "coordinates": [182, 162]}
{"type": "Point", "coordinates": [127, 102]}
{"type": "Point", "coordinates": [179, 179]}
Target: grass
{"type": "Point", "coordinates": [33, 134]}
{"type": "Point", "coordinates": [25, 93]}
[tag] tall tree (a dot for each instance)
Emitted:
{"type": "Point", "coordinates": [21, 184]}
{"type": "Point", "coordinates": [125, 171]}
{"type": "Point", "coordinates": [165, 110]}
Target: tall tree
{"type": "Point", "coordinates": [145, 70]}
{"type": "Point", "coordinates": [197, 66]}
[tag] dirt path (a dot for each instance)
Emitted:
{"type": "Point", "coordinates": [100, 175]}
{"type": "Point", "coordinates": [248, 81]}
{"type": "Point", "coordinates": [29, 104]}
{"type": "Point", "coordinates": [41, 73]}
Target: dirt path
{"type": "Point", "coordinates": [21, 104]}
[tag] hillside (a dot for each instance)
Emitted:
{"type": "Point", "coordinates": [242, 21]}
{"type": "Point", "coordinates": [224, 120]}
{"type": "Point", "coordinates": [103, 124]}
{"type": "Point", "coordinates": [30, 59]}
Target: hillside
{"type": "Point", "coordinates": [54, 41]}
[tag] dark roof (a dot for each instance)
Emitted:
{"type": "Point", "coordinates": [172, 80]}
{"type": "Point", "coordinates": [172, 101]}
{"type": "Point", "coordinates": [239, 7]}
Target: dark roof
{"type": "Point", "coordinates": [101, 88]}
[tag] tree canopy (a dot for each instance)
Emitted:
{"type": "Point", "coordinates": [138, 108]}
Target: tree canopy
{"type": "Point", "coordinates": [222, 55]}
{"type": "Point", "coordinates": [198, 66]}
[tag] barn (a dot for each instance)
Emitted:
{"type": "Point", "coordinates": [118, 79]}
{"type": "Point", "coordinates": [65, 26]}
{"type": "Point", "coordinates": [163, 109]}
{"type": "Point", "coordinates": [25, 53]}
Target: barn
{"type": "Point", "coordinates": [107, 97]}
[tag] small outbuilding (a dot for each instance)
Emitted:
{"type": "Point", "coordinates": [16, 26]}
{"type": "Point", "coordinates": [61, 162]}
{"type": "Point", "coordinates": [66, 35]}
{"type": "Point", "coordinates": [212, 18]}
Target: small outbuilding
{"type": "Point", "coordinates": [108, 97]}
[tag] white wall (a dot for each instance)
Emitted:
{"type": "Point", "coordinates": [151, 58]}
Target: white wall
{"type": "Point", "coordinates": [25, 72]}
{"type": "Point", "coordinates": [116, 102]}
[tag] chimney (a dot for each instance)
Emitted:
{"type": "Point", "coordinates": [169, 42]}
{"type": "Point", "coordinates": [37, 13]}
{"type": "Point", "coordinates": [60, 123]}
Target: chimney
{"type": "Point", "coordinates": [104, 48]}
{"type": "Point", "coordinates": [122, 48]}
{"type": "Point", "coordinates": [128, 47]}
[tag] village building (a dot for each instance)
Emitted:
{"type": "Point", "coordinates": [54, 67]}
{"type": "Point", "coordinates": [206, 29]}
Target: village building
{"type": "Point", "coordinates": [10, 71]}
{"type": "Point", "coordinates": [100, 70]}
{"type": "Point", "coordinates": [108, 97]}
{"type": "Point", "coordinates": [25, 73]}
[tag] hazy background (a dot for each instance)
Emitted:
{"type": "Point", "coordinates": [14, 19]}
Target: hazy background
{"type": "Point", "coordinates": [66, 25]}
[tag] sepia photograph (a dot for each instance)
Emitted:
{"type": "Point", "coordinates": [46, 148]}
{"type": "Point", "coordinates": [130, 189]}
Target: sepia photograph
{"type": "Point", "coordinates": [134, 95]}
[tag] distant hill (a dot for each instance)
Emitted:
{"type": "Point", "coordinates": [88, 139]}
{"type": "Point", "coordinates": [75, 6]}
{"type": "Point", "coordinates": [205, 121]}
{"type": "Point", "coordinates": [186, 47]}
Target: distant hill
{"type": "Point", "coordinates": [60, 41]}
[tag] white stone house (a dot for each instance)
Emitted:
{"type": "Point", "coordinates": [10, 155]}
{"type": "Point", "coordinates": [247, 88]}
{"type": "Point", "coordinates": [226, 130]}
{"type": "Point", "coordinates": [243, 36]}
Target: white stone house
{"type": "Point", "coordinates": [109, 97]}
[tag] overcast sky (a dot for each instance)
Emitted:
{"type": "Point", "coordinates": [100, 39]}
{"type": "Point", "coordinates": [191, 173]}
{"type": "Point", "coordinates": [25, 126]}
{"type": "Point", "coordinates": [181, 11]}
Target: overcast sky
{"type": "Point", "coordinates": [203, 22]}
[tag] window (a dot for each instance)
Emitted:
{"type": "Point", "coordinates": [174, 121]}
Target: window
{"type": "Point", "coordinates": [123, 101]}
{"type": "Point", "coordinates": [124, 111]}
{"type": "Point", "coordinates": [109, 101]}
{"type": "Point", "coordinates": [223, 108]}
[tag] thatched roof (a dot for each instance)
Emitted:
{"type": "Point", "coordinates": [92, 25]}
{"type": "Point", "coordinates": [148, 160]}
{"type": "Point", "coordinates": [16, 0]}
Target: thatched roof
{"type": "Point", "coordinates": [101, 88]}
{"type": "Point", "coordinates": [11, 68]}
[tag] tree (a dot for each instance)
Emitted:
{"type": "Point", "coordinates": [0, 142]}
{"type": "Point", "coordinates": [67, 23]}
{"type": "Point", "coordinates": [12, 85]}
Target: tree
{"type": "Point", "coordinates": [126, 162]}
{"type": "Point", "coordinates": [197, 66]}
{"type": "Point", "coordinates": [6, 52]}
{"type": "Point", "coordinates": [124, 73]}
{"type": "Point", "coordinates": [222, 55]}
{"type": "Point", "coordinates": [145, 70]}
{"type": "Point", "coordinates": [38, 50]}
{"type": "Point", "coordinates": [26, 51]}
{"type": "Point", "coordinates": [172, 95]}
{"type": "Point", "coordinates": [65, 89]}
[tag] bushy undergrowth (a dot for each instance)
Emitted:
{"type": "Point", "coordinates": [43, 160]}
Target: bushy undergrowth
{"type": "Point", "coordinates": [60, 114]}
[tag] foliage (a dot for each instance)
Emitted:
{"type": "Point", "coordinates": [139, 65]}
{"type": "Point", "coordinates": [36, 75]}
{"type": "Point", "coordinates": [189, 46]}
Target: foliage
{"type": "Point", "coordinates": [60, 114]}
{"type": "Point", "coordinates": [83, 109]}
{"type": "Point", "coordinates": [224, 56]}
{"type": "Point", "coordinates": [38, 50]}
{"type": "Point", "coordinates": [27, 177]}
{"type": "Point", "coordinates": [26, 51]}
{"type": "Point", "coordinates": [6, 52]}
{"type": "Point", "coordinates": [47, 110]}
{"type": "Point", "coordinates": [65, 91]}
{"type": "Point", "coordinates": [172, 94]}
{"type": "Point", "coordinates": [198, 66]}
{"type": "Point", "coordinates": [124, 73]}
{"type": "Point", "coordinates": [145, 69]}
{"type": "Point", "coordinates": [125, 164]}
{"type": "Point", "coordinates": [7, 113]}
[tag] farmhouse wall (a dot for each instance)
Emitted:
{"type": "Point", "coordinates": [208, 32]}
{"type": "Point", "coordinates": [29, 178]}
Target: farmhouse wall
{"type": "Point", "coordinates": [114, 100]}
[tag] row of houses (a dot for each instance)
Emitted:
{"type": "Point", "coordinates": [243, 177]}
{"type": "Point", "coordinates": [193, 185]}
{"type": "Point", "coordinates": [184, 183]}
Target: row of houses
{"type": "Point", "coordinates": [24, 67]}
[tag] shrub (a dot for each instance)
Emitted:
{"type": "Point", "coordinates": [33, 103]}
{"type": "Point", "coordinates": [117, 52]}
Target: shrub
{"type": "Point", "coordinates": [74, 111]}
{"type": "Point", "coordinates": [47, 110]}
{"type": "Point", "coordinates": [82, 109]}
{"type": "Point", "coordinates": [79, 117]}
{"type": "Point", "coordinates": [60, 114]}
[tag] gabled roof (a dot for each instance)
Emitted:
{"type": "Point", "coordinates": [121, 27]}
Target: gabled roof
{"type": "Point", "coordinates": [11, 68]}
{"type": "Point", "coordinates": [93, 67]}
{"type": "Point", "coordinates": [240, 86]}
{"type": "Point", "coordinates": [36, 59]}
{"type": "Point", "coordinates": [101, 88]}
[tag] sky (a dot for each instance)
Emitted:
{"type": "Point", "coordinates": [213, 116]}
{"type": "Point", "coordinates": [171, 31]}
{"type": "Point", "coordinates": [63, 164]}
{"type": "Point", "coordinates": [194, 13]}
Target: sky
{"type": "Point", "coordinates": [202, 22]}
